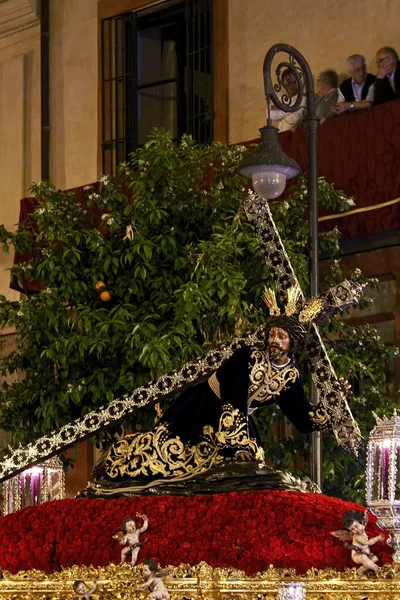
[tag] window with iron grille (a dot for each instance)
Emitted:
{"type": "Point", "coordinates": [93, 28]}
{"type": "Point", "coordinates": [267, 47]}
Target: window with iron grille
{"type": "Point", "coordinates": [156, 72]}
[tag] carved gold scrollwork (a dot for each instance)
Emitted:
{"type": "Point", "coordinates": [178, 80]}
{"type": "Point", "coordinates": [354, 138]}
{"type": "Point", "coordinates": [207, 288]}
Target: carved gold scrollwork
{"type": "Point", "coordinates": [158, 454]}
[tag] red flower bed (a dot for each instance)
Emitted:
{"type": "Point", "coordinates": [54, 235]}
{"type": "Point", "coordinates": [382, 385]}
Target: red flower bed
{"type": "Point", "coordinates": [247, 530]}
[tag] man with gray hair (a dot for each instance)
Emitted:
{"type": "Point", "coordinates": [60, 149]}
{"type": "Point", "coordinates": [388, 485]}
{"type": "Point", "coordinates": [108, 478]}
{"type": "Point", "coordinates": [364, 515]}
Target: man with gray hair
{"type": "Point", "coordinates": [387, 85]}
{"type": "Point", "coordinates": [327, 90]}
{"type": "Point", "coordinates": [356, 92]}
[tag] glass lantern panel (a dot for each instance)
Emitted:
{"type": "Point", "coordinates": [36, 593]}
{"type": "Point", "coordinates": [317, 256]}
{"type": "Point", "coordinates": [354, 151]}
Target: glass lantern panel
{"type": "Point", "coordinates": [384, 471]}
{"type": "Point", "coordinates": [31, 487]}
{"type": "Point", "coordinates": [397, 473]}
{"type": "Point", "coordinates": [375, 471]}
{"type": "Point", "coordinates": [11, 495]}
{"type": "Point", "coordinates": [54, 482]}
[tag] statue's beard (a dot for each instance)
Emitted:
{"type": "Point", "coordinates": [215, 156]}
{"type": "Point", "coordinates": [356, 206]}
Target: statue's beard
{"type": "Point", "coordinates": [275, 352]}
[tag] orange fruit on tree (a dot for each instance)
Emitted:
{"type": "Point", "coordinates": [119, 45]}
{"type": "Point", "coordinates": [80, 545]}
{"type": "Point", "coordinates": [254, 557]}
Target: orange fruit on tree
{"type": "Point", "coordinates": [99, 285]}
{"type": "Point", "coordinates": [105, 296]}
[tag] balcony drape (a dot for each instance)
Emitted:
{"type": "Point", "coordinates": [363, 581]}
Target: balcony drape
{"type": "Point", "coordinates": [360, 154]}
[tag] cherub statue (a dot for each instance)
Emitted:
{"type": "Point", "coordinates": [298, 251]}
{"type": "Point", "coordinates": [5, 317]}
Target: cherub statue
{"type": "Point", "coordinates": [83, 590]}
{"type": "Point", "coordinates": [154, 580]}
{"type": "Point", "coordinates": [129, 537]}
{"type": "Point", "coordinates": [355, 538]}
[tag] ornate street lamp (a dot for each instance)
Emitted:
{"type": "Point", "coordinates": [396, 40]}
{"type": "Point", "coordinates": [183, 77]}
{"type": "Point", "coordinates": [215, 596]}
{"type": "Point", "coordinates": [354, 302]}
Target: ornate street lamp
{"type": "Point", "coordinates": [383, 477]}
{"type": "Point", "coordinates": [269, 168]}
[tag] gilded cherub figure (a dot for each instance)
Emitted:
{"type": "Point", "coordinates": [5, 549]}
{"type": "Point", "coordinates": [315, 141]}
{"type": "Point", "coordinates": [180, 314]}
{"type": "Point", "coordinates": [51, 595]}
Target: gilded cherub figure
{"type": "Point", "coordinates": [129, 538]}
{"type": "Point", "coordinates": [154, 576]}
{"type": "Point", "coordinates": [356, 539]}
{"type": "Point", "coordinates": [83, 590]}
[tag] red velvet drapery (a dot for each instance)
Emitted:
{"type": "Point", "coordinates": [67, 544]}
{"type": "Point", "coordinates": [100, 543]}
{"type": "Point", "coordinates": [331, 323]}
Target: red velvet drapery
{"type": "Point", "coordinates": [360, 153]}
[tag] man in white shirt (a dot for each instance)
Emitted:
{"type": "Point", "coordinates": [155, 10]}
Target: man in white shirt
{"type": "Point", "coordinates": [286, 121]}
{"type": "Point", "coordinates": [356, 92]}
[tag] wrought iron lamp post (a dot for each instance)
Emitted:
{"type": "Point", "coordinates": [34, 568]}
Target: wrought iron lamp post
{"type": "Point", "coordinates": [383, 477]}
{"type": "Point", "coordinates": [269, 168]}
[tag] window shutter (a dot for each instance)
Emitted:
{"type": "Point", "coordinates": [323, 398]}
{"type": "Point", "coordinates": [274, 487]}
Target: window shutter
{"type": "Point", "coordinates": [199, 70]}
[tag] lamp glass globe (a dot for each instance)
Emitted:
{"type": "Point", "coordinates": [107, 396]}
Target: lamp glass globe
{"type": "Point", "coordinates": [269, 184]}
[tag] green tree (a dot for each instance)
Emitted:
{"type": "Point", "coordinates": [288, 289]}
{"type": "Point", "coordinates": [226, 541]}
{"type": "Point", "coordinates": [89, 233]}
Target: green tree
{"type": "Point", "coordinates": [134, 285]}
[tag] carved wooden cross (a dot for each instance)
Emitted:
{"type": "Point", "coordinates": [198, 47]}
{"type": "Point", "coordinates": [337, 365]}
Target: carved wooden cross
{"type": "Point", "coordinates": [331, 395]}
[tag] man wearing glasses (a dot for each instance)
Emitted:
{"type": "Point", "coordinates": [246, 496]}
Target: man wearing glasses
{"type": "Point", "coordinates": [387, 84]}
{"type": "Point", "coordinates": [356, 92]}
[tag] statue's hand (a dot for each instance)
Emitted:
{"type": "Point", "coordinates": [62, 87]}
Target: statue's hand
{"type": "Point", "coordinates": [319, 418]}
{"type": "Point", "coordinates": [140, 516]}
{"type": "Point", "coordinates": [243, 456]}
{"type": "Point", "coordinates": [345, 386]}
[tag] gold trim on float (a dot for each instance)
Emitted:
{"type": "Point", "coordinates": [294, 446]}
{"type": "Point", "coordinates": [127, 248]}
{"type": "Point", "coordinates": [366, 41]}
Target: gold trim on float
{"type": "Point", "coordinates": [202, 581]}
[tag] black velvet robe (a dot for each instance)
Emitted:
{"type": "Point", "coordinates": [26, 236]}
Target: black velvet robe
{"type": "Point", "coordinates": [205, 425]}
{"type": "Point", "coordinates": [199, 406]}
